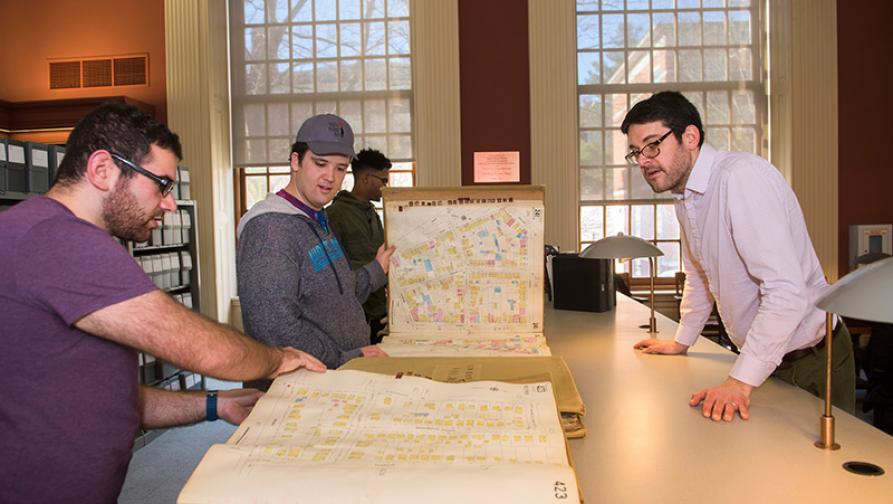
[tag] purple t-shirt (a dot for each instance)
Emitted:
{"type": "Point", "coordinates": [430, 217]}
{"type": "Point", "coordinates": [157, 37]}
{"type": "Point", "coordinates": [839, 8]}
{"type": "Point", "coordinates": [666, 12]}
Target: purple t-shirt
{"type": "Point", "coordinates": [68, 400]}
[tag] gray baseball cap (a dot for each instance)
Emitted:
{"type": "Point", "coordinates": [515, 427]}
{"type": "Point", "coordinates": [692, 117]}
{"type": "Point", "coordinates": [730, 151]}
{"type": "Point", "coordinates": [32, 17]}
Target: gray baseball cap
{"type": "Point", "coordinates": [327, 134]}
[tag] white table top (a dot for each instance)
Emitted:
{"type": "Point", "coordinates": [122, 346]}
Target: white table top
{"type": "Point", "coordinates": [644, 444]}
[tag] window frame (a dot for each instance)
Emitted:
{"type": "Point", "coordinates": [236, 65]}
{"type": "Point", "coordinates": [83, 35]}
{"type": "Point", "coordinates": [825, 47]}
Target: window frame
{"type": "Point", "coordinates": [625, 267]}
{"type": "Point", "coordinates": [605, 129]}
{"type": "Point", "coordinates": [391, 106]}
{"type": "Point", "coordinates": [241, 183]}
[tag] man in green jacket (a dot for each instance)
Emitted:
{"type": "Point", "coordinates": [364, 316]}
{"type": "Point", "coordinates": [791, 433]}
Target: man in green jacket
{"type": "Point", "coordinates": [356, 224]}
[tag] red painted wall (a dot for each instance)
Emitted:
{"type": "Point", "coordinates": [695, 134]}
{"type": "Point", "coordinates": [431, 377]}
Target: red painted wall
{"type": "Point", "coordinates": [494, 81]}
{"type": "Point", "coordinates": [865, 100]}
{"type": "Point", "coordinates": [33, 31]}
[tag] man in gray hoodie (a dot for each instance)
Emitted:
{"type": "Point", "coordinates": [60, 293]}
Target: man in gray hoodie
{"type": "Point", "coordinates": [295, 283]}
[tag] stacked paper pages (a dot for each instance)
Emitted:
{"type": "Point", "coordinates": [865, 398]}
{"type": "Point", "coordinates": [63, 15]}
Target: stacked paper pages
{"type": "Point", "coordinates": [352, 436]}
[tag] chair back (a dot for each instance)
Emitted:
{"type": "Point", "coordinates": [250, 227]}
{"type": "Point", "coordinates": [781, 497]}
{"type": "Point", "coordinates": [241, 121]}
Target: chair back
{"type": "Point", "coordinates": [680, 282]}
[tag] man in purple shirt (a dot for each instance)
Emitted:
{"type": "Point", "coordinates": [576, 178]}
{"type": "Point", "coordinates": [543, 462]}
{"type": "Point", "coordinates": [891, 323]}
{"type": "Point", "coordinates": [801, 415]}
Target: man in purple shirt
{"type": "Point", "coordinates": [76, 308]}
{"type": "Point", "coordinates": [745, 246]}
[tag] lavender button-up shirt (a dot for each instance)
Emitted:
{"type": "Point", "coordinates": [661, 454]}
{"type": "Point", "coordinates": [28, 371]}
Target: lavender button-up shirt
{"type": "Point", "coordinates": [745, 245]}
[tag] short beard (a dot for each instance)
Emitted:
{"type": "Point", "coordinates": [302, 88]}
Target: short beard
{"type": "Point", "coordinates": [122, 214]}
{"type": "Point", "coordinates": [677, 185]}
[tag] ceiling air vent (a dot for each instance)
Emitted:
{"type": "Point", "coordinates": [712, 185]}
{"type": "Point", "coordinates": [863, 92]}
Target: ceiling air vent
{"type": "Point", "coordinates": [124, 70]}
{"type": "Point", "coordinates": [65, 74]}
{"type": "Point", "coordinates": [97, 73]}
{"type": "Point", "coordinates": [130, 71]}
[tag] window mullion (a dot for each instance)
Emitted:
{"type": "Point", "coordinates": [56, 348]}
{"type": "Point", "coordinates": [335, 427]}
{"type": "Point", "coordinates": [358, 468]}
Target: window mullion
{"type": "Point", "coordinates": [609, 95]}
{"type": "Point", "coordinates": [318, 43]}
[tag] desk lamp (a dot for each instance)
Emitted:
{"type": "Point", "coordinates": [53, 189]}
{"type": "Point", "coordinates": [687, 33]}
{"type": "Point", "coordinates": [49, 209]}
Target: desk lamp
{"type": "Point", "coordinates": [626, 247]}
{"type": "Point", "coordinates": [866, 294]}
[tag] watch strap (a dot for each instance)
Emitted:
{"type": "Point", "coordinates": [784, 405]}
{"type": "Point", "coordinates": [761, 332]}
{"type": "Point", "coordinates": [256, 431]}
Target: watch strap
{"type": "Point", "coordinates": [211, 406]}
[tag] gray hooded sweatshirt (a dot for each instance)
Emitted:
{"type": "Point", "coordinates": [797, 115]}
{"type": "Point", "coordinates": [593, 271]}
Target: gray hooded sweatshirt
{"type": "Point", "coordinates": [296, 286]}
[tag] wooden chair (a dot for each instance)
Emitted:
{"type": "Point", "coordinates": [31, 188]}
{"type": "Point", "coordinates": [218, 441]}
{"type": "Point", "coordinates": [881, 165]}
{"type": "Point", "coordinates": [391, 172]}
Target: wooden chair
{"type": "Point", "coordinates": [680, 286]}
{"type": "Point", "coordinates": [622, 283]}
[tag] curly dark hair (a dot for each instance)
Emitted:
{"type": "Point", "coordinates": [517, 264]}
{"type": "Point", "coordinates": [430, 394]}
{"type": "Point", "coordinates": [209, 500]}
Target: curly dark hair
{"type": "Point", "coordinates": [669, 107]}
{"type": "Point", "coordinates": [117, 127]}
{"type": "Point", "coordinates": [369, 159]}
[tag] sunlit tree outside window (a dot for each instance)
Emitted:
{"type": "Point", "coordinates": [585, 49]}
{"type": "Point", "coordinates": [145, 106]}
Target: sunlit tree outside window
{"type": "Point", "coordinates": [627, 50]}
{"type": "Point", "coordinates": [291, 59]}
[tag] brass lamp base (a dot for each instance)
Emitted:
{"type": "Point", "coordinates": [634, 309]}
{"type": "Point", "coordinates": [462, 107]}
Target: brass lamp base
{"type": "Point", "coordinates": [652, 322]}
{"type": "Point", "coordinates": [826, 425]}
{"type": "Point", "coordinates": [827, 428]}
{"type": "Point", "coordinates": [651, 326]}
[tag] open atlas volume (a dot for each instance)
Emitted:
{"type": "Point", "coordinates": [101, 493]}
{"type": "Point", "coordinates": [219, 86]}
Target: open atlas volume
{"type": "Point", "coordinates": [467, 276]}
{"type": "Point", "coordinates": [359, 437]}
{"type": "Point", "coordinates": [505, 369]}
{"type": "Point", "coordinates": [467, 282]}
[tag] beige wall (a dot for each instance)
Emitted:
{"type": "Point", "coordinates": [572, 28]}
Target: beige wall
{"type": "Point", "coordinates": [554, 156]}
{"type": "Point", "coordinates": [804, 115]}
{"type": "Point", "coordinates": [198, 93]}
{"type": "Point", "coordinates": [435, 80]}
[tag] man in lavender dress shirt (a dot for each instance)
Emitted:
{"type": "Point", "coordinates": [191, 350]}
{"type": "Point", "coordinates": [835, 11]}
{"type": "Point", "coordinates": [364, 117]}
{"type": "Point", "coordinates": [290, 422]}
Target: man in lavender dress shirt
{"type": "Point", "coordinates": [745, 246]}
{"type": "Point", "coordinates": [76, 307]}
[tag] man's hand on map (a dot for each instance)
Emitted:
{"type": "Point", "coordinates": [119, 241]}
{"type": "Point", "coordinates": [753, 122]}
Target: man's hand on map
{"type": "Point", "coordinates": [234, 405]}
{"type": "Point", "coordinates": [383, 256]}
{"type": "Point", "coordinates": [373, 351]}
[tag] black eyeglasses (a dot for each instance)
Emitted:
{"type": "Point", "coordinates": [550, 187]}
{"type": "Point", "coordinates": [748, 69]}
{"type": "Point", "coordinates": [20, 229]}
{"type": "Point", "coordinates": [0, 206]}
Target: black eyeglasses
{"type": "Point", "coordinates": [383, 180]}
{"type": "Point", "coordinates": [650, 151]}
{"type": "Point", "coordinates": [165, 185]}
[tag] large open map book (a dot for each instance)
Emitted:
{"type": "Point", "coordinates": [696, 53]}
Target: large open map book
{"type": "Point", "coordinates": [502, 368]}
{"type": "Point", "coordinates": [353, 436]}
{"type": "Point", "coordinates": [467, 276]}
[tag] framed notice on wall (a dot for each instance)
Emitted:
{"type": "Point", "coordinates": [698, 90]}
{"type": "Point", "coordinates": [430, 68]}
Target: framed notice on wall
{"type": "Point", "coordinates": [497, 167]}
